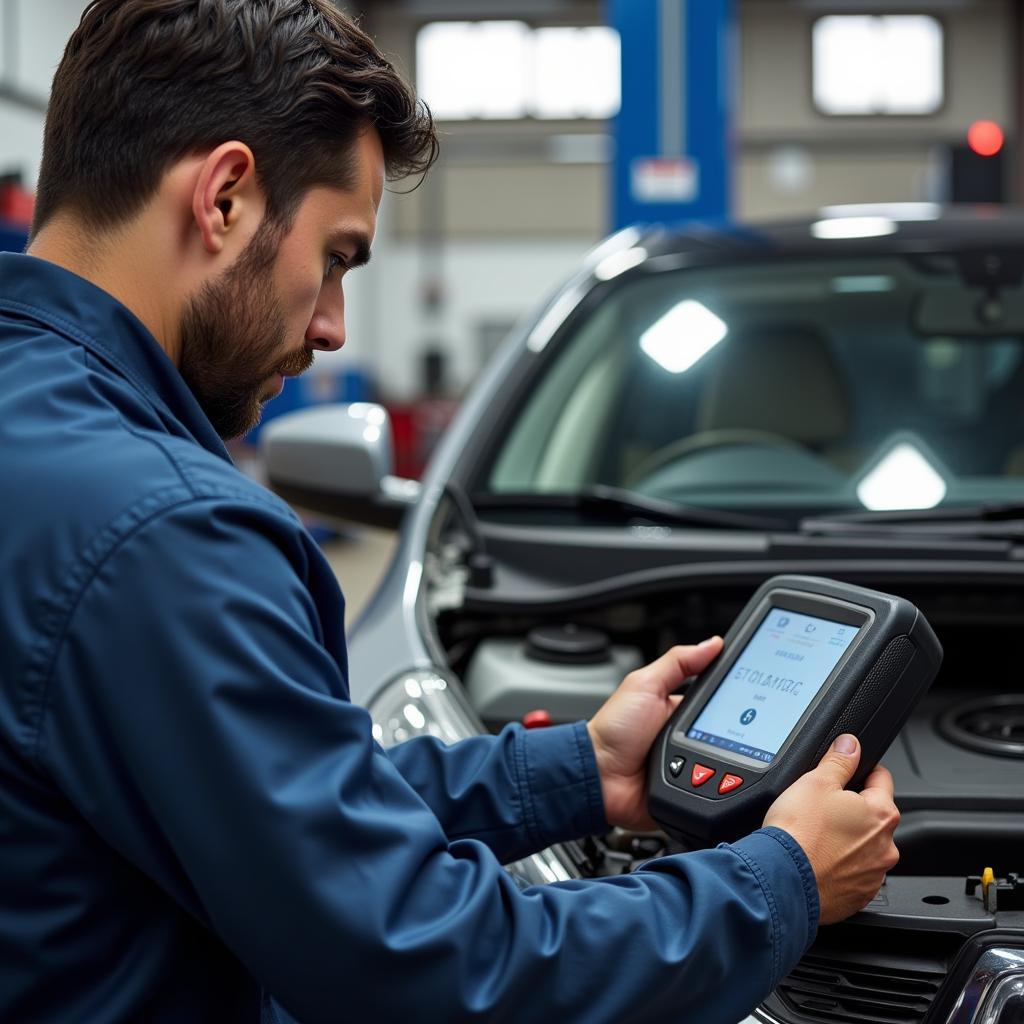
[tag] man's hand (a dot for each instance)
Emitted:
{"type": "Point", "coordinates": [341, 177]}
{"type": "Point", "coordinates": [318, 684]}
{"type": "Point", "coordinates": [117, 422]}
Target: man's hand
{"type": "Point", "coordinates": [628, 723]}
{"type": "Point", "coordinates": [847, 836]}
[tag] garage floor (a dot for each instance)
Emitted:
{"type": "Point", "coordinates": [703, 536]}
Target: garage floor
{"type": "Point", "coordinates": [359, 559]}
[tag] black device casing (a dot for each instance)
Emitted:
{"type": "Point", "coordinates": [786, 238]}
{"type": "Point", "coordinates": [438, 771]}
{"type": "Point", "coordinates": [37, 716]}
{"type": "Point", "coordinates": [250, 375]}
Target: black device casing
{"type": "Point", "coordinates": [872, 690]}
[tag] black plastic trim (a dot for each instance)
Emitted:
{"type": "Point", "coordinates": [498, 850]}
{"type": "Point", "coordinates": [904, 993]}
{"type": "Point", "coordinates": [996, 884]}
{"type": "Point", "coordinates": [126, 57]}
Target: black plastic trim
{"type": "Point", "coordinates": [381, 512]}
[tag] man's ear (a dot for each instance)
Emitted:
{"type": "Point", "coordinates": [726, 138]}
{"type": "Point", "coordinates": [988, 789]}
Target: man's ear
{"type": "Point", "coordinates": [226, 194]}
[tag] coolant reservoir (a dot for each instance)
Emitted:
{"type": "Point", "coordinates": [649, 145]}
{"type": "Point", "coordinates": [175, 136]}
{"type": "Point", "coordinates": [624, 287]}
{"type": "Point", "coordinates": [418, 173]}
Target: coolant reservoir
{"type": "Point", "coordinates": [568, 670]}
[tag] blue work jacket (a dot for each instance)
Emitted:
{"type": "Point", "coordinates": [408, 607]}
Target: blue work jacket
{"type": "Point", "coordinates": [196, 823]}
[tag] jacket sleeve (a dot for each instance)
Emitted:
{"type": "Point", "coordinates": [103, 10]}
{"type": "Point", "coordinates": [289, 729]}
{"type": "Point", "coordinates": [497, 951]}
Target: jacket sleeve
{"type": "Point", "coordinates": [517, 792]}
{"type": "Point", "coordinates": [195, 721]}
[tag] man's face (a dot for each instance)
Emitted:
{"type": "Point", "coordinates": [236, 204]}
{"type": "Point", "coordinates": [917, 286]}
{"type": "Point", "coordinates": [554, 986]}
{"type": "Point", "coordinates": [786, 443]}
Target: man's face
{"type": "Point", "coordinates": [245, 332]}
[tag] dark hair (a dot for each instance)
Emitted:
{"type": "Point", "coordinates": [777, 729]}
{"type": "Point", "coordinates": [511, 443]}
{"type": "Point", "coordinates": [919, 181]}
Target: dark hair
{"type": "Point", "coordinates": [144, 83]}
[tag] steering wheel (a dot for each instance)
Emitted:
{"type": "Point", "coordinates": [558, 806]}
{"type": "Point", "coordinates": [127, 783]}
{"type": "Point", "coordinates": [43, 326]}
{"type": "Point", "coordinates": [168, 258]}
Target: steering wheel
{"type": "Point", "coordinates": [684, 447]}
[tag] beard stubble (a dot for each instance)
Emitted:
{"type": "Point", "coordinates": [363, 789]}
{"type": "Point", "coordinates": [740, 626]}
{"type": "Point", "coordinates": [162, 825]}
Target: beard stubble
{"type": "Point", "coordinates": [232, 334]}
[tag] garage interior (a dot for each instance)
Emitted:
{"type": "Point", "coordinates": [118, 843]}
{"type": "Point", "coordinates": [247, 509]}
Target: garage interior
{"type": "Point", "coordinates": [595, 145]}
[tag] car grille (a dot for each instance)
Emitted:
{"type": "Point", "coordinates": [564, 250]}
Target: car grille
{"type": "Point", "coordinates": [821, 989]}
{"type": "Point", "coordinates": [865, 976]}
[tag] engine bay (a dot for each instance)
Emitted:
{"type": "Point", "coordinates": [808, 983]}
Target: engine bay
{"type": "Point", "coordinates": [548, 642]}
{"type": "Point", "coordinates": [958, 764]}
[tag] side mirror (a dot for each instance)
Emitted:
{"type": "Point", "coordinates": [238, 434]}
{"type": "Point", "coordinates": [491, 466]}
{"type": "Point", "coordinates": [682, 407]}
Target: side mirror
{"type": "Point", "coordinates": [337, 460]}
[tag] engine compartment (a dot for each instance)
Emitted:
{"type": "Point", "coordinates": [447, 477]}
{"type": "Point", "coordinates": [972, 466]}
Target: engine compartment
{"type": "Point", "coordinates": [958, 764]}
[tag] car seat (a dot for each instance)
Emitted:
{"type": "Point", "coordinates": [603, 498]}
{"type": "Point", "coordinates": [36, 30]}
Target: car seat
{"type": "Point", "coordinates": [778, 386]}
{"type": "Point", "coordinates": [777, 380]}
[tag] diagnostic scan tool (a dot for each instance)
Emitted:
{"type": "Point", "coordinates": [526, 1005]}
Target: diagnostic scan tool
{"type": "Point", "coordinates": [806, 660]}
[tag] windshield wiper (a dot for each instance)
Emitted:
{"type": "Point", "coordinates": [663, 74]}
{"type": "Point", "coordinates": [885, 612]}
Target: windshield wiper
{"type": "Point", "coordinates": [995, 520]}
{"type": "Point", "coordinates": [617, 504]}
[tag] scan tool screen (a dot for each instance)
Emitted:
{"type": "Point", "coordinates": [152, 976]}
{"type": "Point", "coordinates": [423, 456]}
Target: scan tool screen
{"type": "Point", "coordinates": [772, 683]}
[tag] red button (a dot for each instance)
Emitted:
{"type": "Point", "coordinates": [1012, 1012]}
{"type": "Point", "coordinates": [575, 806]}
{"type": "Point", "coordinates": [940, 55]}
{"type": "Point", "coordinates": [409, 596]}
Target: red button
{"type": "Point", "coordinates": [729, 782]}
{"type": "Point", "coordinates": [700, 774]}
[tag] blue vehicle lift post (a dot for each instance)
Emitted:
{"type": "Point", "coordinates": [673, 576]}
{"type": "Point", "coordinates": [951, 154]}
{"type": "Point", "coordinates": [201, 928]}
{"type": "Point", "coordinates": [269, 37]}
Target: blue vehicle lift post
{"type": "Point", "coordinates": [673, 134]}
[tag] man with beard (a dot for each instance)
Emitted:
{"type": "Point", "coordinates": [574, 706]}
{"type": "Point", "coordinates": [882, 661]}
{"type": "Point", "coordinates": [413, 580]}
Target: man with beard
{"type": "Point", "coordinates": [195, 822]}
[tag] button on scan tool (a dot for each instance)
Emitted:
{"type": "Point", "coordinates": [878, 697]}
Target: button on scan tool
{"type": "Point", "coordinates": [675, 766]}
{"type": "Point", "coordinates": [729, 783]}
{"type": "Point", "coordinates": [700, 774]}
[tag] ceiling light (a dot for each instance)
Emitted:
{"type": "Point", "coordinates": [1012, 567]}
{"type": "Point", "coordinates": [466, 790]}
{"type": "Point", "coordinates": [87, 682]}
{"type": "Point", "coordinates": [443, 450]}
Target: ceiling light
{"type": "Point", "coordinates": [682, 336]}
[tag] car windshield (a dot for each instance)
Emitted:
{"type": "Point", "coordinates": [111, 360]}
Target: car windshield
{"type": "Point", "coordinates": [892, 382]}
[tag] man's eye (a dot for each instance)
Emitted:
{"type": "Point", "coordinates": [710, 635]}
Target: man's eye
{"type": "Point", "coordinates": [334, 261]}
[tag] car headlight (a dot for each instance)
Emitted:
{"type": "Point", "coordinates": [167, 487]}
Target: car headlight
{"type": "Point", "coordinates": [994, 993]}
{"type": "Point", "coordinates": [423, 703]}
{"type": "Point", "coordinates": [1006, 1003]}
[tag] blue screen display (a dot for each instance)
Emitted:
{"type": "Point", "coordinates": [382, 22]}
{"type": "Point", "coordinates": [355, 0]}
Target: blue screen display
{"type": "Point", "coordinates": [772, 683]}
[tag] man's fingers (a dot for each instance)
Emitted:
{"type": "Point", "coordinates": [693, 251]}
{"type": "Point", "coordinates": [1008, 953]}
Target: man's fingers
{"type": "Point", "coordinates": [665, 675]}
{"type": "Point", "coordinates": [841, 761]}
{"type": "Point", "coordinates": [880, 781]}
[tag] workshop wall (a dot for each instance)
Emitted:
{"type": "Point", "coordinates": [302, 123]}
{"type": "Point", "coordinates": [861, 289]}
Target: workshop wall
{"type": "Point", "coordinates": [33, 34]}
{"type": "Point", "coordinates": [507, 213]}
{"type": "Point", "coordinates": [794, 159]}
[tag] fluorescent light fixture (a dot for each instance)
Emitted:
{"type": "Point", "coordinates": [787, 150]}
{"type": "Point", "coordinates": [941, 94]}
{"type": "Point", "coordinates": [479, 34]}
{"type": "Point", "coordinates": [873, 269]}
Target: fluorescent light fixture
{"type": "Point", "coordinates": [497, 70]}
{"type": "Point", "coordinates": [854, 227]}
{"type": "Point", "coordinates": [576, 73]}
{"type": "Point", "coordinates": [619, 262]}
{"type": "Point", "coordinates": [869, 64]}
{"type": "Point", "coordinates": [903, 479]}
{"type": "Point", "coordinates": [855, 284]}
{"type": "Point", "coordinates": [684, 335]}
{"type": "Point", "coordinates": [474, 69]}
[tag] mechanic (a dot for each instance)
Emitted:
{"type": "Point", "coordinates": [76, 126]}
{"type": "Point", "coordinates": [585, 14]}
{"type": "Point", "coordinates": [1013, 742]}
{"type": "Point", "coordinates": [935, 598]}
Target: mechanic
{"type": "Point", "coordinates": [195, 822]}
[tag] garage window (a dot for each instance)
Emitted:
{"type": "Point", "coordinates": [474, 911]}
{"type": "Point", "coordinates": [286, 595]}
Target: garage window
{"type": "Point", "coordinates": [502, 70]}
{"type": "Point", "coordinates": [877, 64]}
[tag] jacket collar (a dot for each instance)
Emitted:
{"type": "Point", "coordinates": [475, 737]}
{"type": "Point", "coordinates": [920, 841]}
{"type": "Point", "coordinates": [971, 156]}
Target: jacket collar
{"type": "Point", "coordinates": [86, 315]}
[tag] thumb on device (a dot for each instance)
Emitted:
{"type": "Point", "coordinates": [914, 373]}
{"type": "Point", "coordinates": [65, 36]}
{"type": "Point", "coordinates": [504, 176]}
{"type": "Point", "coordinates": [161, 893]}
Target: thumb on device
{"type": "Point", "coordinates": [840, 763]}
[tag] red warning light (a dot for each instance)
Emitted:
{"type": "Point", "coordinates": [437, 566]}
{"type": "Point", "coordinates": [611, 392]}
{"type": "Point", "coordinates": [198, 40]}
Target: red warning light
{"type": "Point", "coordinates": [985, 138]}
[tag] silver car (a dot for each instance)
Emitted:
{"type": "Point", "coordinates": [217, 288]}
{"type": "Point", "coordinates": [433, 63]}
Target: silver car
{"type": "Point", "coordinates": [695, 411]}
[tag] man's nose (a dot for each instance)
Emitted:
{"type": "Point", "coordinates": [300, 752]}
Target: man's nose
{"type": "Point", "coordinates": [326, 333]}
{"type": "Point", "coordinates": [325, 344]}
